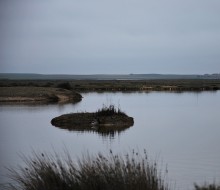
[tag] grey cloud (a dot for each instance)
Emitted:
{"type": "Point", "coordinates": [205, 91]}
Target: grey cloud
{"type": "Point", "coordinates": [131, 36]}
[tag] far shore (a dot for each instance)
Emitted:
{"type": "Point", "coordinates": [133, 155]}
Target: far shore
{"type": "Point", "coordinates": [173, 85]}
{"type": "Point", "coordinates": [37, 95]}
{"type": "Point", "coordinates": [68, 91]}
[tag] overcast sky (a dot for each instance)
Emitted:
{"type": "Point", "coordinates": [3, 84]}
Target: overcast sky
{"type": "Point", "coordinates": [110, 36]}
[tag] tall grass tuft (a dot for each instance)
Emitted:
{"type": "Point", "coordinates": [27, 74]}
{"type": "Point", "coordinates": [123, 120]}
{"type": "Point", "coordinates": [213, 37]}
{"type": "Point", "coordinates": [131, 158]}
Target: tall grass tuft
{"type": "Point", "coordinates": [111, 172]}
{"type": "Point", "coordinates": [109, 111]}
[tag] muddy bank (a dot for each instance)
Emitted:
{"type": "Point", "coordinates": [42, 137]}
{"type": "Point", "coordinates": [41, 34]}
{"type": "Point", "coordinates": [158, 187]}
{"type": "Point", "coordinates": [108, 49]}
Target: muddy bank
{"type": "Point", "coordinates": [90, 121]}
{"type": "Point", "coordinates": [37, 95]}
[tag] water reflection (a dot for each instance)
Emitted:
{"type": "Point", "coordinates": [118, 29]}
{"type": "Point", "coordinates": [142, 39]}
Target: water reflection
{"type": "Point", "coordinates": [105, 132]}
{"type": "Point", "coordinates": [154, 91]}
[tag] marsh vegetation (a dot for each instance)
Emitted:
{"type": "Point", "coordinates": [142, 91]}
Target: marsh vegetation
{"type": "Point", "coordinates": [110, 110]}
{"type": "Point", "coordinates": [176, 85]}
{"type": "Point", "coordinates": [213, 186]}
{"type": "Point", "coordinates": [131, 171]}
{"type": "Point", "coordinates": [111, 172]}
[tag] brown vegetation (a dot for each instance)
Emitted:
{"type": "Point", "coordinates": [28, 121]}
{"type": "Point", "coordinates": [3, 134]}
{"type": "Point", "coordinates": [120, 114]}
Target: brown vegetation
{"type": "Point", "coordinates": [35, 95]}
{"type": "Point", "coordinates": [111, 172]}
{"type": "Point", "coordinates": [175, 85]}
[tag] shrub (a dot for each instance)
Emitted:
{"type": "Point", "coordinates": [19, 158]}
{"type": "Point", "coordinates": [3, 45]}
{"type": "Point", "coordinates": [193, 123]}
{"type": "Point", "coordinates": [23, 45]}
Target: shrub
{"type": "Point", "coordinates": [111, 172]}
{"type": "Point", "coordinates": [109, 111]}
{"type": "Point", "coordinates": [65, 85]}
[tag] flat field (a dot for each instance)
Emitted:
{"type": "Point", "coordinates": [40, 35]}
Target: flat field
{"type": "Point", "coordinates": [176, 85]}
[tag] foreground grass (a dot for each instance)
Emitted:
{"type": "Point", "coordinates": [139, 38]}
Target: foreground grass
{"type": "Point", "coordinates": [111, 172]}
{"type": "Point", "coordinates": [207, 187]}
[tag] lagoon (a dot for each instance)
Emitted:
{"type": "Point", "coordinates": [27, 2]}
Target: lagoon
{"type": "Point", "coordinates": [179, 130]}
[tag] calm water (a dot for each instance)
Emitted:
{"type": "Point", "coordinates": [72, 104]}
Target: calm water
{"type": "Point", "coordinates": [182, 131]}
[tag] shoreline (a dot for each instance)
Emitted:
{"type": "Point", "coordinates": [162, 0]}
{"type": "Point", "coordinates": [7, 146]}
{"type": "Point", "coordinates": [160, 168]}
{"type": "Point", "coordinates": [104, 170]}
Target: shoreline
{"type": "Point", "coordinates": [37, 95]}
{"type": "Point", "coordinates": [68, 91]}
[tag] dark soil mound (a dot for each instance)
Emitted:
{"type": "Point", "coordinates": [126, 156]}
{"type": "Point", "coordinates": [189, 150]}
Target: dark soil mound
{"type": "Point", "coordinates": [90, 121]}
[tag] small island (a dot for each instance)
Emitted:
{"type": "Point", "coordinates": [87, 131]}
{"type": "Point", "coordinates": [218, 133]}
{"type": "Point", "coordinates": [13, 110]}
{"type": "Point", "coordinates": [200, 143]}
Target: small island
{"type": "Point", "coordinates": [37, 95]}
{"type": "Point", "coordinates": [105, 119]}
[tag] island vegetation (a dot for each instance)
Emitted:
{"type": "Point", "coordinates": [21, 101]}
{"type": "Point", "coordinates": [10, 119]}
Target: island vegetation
{"type": "Point", "coordinates": [106, 119]}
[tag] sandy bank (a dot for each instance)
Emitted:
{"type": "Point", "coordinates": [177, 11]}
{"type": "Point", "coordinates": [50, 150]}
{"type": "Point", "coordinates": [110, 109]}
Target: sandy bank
{"type": "Point", "coordinates": [35, 95]}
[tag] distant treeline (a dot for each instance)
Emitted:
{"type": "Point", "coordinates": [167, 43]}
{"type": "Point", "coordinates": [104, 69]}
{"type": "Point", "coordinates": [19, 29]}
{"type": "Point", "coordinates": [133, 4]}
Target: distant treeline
{"type": "Point", "coordinates": [32, 76]}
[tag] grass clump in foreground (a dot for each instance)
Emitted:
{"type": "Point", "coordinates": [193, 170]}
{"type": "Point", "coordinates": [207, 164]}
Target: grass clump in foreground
{"type": "Point", "coordinates": [111, 172]}
{"type": "Point", "coordinates": [109, 111]}
{"type": "Point", "coordinates": [207, 187]}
